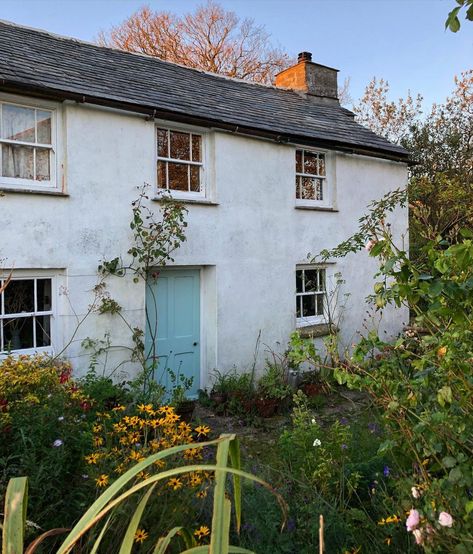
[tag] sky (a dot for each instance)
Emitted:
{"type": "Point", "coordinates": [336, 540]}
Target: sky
{"type": "Point", "coordinates": [402, 41]}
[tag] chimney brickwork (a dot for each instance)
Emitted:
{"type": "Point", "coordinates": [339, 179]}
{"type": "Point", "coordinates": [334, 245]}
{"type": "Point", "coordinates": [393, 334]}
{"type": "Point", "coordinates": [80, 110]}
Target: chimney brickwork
{"type": "Point", "coordinates": [311, 78]}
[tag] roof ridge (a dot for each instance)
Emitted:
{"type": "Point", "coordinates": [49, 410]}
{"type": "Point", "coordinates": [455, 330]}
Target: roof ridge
{"type": "Point", "coordinates": [141, 54]}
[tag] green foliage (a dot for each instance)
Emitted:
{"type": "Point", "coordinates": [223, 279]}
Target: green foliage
{"type": "Point", "coordinates": [453, 21]}
{"type": "Point", "coordinates": [273, 383]}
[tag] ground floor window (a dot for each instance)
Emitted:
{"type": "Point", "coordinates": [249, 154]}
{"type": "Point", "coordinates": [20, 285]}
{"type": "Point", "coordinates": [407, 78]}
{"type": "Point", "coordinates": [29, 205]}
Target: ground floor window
{"type": "Point", "coordinates": [26, 311]}
{"type": "Point", "coordinates": [310, 295]}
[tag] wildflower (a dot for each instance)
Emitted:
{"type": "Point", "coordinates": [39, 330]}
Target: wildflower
{"type": "Point", "coordinates": [174, 483]}
{"type": "Point", "coordinates": [388, 540]}
{"type": "Point", "coordinates": [418, 535]}
{"type": "Point", "coordinates": [84, 476]}
{"type": "Point", "coordinates": [445, 519]}
{"type": "Point", "coordinates": [416, 493]}
{"type": "Point", "coordinates": [393, 519]}
{"type": "Point", "coordinates": [386, 471]}
{"type": "Point", "coordinates": [92, 458]}
{"type": "Point", "coordinates": [317, 442]}
{"type": "Point", "coordinates": [202, 493]}
{"type": "Point", "coordinates": [60, 418]}
{"type": "Point", "coordinates": [57, 443]}
{"type": "Point", "coordinates": [97, 428]}
{"type": "Point", "coordinates": [313, 421]}
{"type": "Point", "coordinates": [102, 481]}
{"type": "Point", "coordinates": [136, 456]}
{"type": "Point", "coordinates": [202, 532]}
{"type": "Point", "coordinates": [413, 520]}
{"type": "Point", "coordinates": [441, 351]}
{"type": "Point", "coordinates": [202, 430]}
{"type": "Point", "coordinates": [344, 446]}
{"type": "Point", "coordinates": [195, 479]}
{"type": "Point", "coordinates": [141, 535]}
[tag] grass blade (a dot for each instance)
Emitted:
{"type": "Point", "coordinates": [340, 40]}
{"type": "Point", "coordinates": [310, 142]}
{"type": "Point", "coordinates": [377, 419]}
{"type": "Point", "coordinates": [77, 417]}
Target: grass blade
{"type": "Point", "coordinates": [101, 535]}
{"type": "Point", "coordinates": [235, 461]}
{"type": "Point", "coordinates": [129, 538]}
{"type": "Point", "coordinates": [16, 500]}
{"type": "Point", "coordinates": [164, 542]}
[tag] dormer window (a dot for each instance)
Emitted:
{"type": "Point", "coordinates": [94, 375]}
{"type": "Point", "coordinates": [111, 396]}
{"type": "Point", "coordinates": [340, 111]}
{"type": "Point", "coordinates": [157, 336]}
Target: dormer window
{"type": "Point", "coordinates": [180, 162]}
{"type": "Point", "coordinates": [27, 144]}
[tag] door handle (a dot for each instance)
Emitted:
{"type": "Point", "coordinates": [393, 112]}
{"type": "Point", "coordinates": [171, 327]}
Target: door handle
{"type": "Point", "coordinates": [195, 344]}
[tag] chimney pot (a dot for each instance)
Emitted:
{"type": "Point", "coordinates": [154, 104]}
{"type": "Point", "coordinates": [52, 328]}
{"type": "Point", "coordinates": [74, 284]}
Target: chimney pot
{"type": "Point", "coordinates": [304, 57]}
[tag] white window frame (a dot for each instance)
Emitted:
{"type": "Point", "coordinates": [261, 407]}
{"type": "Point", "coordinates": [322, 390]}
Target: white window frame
{"type": "Point", "coordinates": [328, 179]}
{"type": "Point", "coordinates": [31, 184]}
{"type": "Point", "coordinates": [32, 275]}
{"type": "Point", "coordinates": [204, 192]}
{"type": "Point", "coordinates": [316, 319]}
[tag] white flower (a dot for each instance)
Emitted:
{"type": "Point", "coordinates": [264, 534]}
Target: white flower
{"type": "Point", "coordinates": [317, 442]}
{"type": "Point", "coordinates": [445, 519]}
{"type": "Point", "coordinates": [60, 418]}
{"type": "Point", "coordinates": [313, 421]}
{"type": "Point", "coordinates": [415, 492]}
{"type": "Point", "coordinates": [57, 443]}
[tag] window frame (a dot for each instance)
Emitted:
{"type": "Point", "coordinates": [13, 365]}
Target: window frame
{"type": "Point", "coordinates": [32, 184]}
{"type": "Point", "coordinates": [328, 179]}
{"type": "Point", "coordinates": [25, 276]}
{"type": "Point", "coordinates": [315, 319]}
{"type": "Point", "coordinates": [203, 194]}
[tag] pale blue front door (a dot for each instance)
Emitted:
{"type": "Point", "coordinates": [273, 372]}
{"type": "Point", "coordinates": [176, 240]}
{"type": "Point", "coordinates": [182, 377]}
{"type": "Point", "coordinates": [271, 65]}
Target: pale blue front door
{"type": "Point", "coordinates": [174, 339]}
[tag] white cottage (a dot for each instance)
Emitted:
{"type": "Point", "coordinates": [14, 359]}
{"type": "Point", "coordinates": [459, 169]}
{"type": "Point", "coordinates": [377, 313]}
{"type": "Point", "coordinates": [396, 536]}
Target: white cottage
{"type": "Point", "coordinates": [267, 173]}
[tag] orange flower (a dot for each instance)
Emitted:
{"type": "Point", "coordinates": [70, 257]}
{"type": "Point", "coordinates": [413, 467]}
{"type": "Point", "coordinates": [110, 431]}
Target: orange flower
{"type": "Point", "coordinates": [141, 535]}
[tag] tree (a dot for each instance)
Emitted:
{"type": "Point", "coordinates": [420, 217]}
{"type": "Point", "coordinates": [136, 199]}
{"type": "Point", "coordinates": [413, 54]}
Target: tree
{"type": "Point", "coordinates": [210, 38]}
{"type": "Point", "coordinates": [387, 118]}
{"type": "Point", "coordinates": [453, 23]}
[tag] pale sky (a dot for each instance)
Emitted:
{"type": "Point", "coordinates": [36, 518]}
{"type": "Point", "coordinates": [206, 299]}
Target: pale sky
{"type": "Point", "coordinates": [403, 41]}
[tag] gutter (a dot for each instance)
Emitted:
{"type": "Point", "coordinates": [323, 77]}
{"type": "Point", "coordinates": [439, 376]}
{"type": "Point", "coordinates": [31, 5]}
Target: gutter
{"type": "Point", "coordinates": [152, 113]}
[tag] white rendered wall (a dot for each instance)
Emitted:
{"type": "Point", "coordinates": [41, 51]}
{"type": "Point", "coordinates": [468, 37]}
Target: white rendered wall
{"type": "Point", "coordinates": [248, 245]}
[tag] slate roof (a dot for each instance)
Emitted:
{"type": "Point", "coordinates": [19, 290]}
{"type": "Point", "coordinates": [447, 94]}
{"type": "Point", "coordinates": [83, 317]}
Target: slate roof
{"type": "Point", "coordinates": [38, 62]}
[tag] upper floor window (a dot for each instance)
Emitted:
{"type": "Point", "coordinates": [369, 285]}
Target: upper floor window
{"type": "Point", "coordinates": [26, 309]}
{"type": "Point", "coordinates": [27, 145]}
{"type": "Point", "coordinates": [311, 177]}
{"type": "Point", "coordinates": [180, 162]}
{"type": "Point", "coordinates": [310, 295]}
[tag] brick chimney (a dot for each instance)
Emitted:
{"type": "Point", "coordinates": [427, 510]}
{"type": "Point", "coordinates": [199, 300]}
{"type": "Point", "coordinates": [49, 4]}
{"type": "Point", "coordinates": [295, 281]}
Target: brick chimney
{"type": "Point", "coordinates": [311, 78]}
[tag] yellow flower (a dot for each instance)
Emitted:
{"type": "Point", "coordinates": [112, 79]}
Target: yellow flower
{"type": "Point", "coordinates": [143, 475]}
{"type": "Point", "coordinates": [441, 351]}
{"type": "Point", "coordinates": [195, 479]}
{"type": "Point", "coordinates": [119, 408]}
{"type": "Point", "coordinates": [98, 441]}
{"type": "Point", "coordinates": [119, 427]}
{"type": "Point", "coordinates": [388, 540]}
{"type": "Point", "coordinates": [102, 481]}
{"type": "Point", "coordinates": [141, 535]}
{"type": "Point", "coordinates": [136, 456]}
{"type": "Point", "coordinates": [202, 493]}
{"type": "Point", "coordinates": [92, 458]}
{"type": "Point", "coordinates": [393, 519]}
{"type": "Point", "coordinates": [202, 532]}
{"type": "Point", "coordinates": [97, 428]}
{"type": "Point", "coordinates": [202, 430]}
{"type": "Point", "coordinates": [382, 522]}
{"type": "Point", "coordinates": [174, 483]}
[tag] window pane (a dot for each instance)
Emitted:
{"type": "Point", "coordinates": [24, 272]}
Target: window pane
{"type": "Point", "coordinates": [299, 280]}
{"type": "Point", "coordinates": [298, 306]}
{"type": "Point", "coordinates": [43, 330]}
{"type": "Point", "coordinates": [18, 333]}
{"type": "Point", "coordinates": [17, 161]}
{"type": "Point", "coordinates": [298, 186]}
{"type": "Point", "coordinates": [18, 123]}
{"type": "Point", "coordinates": [320, 304]}
{"type": "Point", "coordinates": [177, 174]}
{"type": "Point", "coordinates": [298, 161]}
{"type": "Point", "coordinates": [196, 148]}
{"type": "Point", "coordinates": [308, 305]}
{"type": "Point", "coordinates": [19, 297]}
{"type": "Point", "coordinates": [321, 279]}
{"type": "Point", "coordinates": [180, 146]}
{"type": "Point", "coordinates": [43, 291]}
{"type": "Point", "coordinates": [319, 189]}
{"type": "Point", "coordinates": [322, 164]}
{"type": "Point", "coordinates": [43, 127]}
{"type": "Point", "coordinates": [43, 170]}
{"type": "Point", "coordinates": [308, 188]}
{"type": "Point", "coordinates": [162, 174]}
{"type": "Point", "coordinates": [195, 178]}
{"type": "Point", "coordinates": [311, 280]}
{"type": "Point", "coordinates": [310, 163]}
{"type": "Point", "coordinates": [163, 143]}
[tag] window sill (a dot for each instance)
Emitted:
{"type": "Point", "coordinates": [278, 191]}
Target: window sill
{"type": "Point", "coordinates": [201, 201]}
{"type": "Point", "coordinates": [316, 331]}
{"type": "Point", "coordinates": [315, 208]}
{"type": "Point", "coordinates": [32, 191]}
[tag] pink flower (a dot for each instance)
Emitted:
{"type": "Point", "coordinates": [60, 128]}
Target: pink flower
{"type": "Point", "coordinates": [369, 245]}
{"type": "Point", "coordinates": [445, 519]}
{"type": "Point", "coordinates": [413, 520]}
{"type": "Point", "coordinates": [419, 537]}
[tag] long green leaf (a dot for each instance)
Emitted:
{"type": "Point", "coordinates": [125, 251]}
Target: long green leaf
{"type": "Point", "coordinates": [235, 461]}
{"type": "Point", "coordinates": [84, 523]}
{"type": "Point", "coordinates": [101, 536]}
{"type": "Point", "coordinates": [127, 543]}
{"type": "Point", "coordinates": [218, 542]}
{"type": "Point", "coordinates": [164, 542]}
{"type": "Point", "coordinates": [16, 501]}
